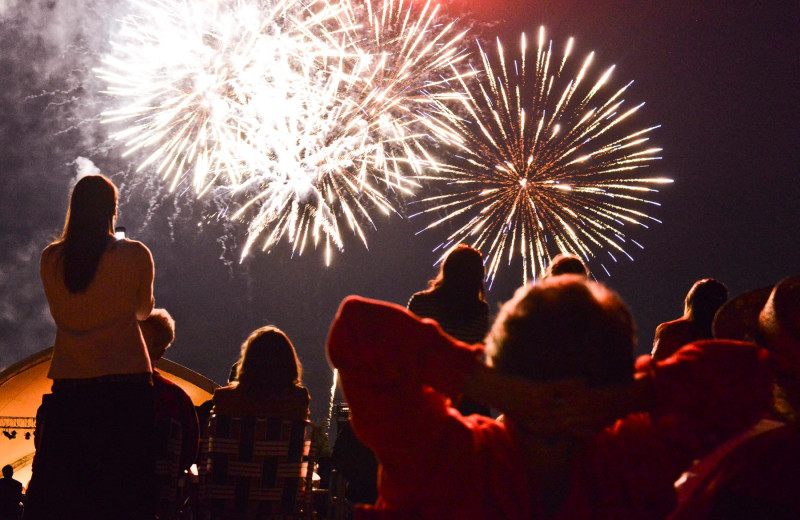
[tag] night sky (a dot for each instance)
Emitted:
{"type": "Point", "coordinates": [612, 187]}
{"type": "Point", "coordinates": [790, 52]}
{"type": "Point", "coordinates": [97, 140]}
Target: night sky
{"type": "Point", "coordinates": [722, 78]}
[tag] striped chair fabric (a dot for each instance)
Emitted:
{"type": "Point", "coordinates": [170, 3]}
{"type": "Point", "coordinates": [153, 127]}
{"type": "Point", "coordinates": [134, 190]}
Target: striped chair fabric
{"type": "Point", "coordinates": [168, 472]}
{"type": "Point", "coordinates": [256, 468]}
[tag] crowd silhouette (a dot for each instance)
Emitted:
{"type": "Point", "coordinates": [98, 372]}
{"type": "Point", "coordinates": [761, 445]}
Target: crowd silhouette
{"type": "Point", "coordinates": [543, 414]}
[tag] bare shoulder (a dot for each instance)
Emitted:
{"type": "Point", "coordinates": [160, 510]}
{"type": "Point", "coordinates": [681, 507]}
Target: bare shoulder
{"type": "Point", "coordinates": [671, 326]}
{"type": "Point", "coordinates": [420, 297]}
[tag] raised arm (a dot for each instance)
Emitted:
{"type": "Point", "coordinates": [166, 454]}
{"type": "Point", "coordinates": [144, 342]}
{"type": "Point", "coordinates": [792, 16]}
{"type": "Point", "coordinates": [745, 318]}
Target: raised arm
{"type": "Point", "coordinates": [566, 406]}
{"type": "Point", "coordinates": [710, 390]}
{"type": "Point", "coordinates": [397, 372]}
{"type": "Point", "coordinates": [705, 393]}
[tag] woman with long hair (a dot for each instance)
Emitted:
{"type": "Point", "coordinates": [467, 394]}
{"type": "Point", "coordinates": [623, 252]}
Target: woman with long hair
{"type": "Point", "coordinates": [258, 435]}
{"type": "Point", "coordinates": [268, 380]}
{"type": "Point", "coordinates": [455, 300]}
{"type": "Point", "coordinates": [699, 308]}
{"type": "Point", "coordinates": [94, 457]}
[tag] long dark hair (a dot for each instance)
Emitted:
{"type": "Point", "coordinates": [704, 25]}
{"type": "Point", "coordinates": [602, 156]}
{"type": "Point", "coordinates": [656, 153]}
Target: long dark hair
{"type": "Point", "coordinates": [268, 363]}
{"type": "Point", "coordinates": [703, 301]}
{"type": "Point", "coordinates": [460, 282]}
{"type": "Point", "coordinates": [87, 230]}
{"type": "Point", "coordinates": [459, 286]}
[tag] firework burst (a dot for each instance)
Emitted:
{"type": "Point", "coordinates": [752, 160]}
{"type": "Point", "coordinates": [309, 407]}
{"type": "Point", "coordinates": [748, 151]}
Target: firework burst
{"type": "Point", "coordinates": [197, 78]}
{"type": "Point", "coordinates": [311, 114]}
{"type": "Point", "coordinates": [357, 135]}
{"type": "Point", "coordinates": [320, 171]}
{"type": "Point", "coordinates": [545, 165]}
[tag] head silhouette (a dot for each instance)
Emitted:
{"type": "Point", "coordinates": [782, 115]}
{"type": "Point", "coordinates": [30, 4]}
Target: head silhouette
{"type": "Point", "coordinates": [565, 263]}
{"type": "Point", "coordinates": [779, 326]}
{"type": "Point", "coordinates": [564, 327]}
{"type": "Point", "coordinates": [8, 471]}
{"type": "Point", "coordinates": [158, 331]}
{"type": "Point", "coordinates": [769, 316]}
{"type": "Point", "coordinates": [461, 274]}
{"type": "Point", "coordinates": [704, 300]}
{"type": "Point", "coordinates": [268, 363]}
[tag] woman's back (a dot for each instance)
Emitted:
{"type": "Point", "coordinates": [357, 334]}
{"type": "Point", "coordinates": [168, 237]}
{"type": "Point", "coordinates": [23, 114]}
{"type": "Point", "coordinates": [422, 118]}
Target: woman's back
{"type": "Point", "coordinates": [455, 298]}
{"type": "Point", "coordinates": [101, 320]}
{"type": "Point", "coordinates": [467, 323]}
{"type": "Point", "coordinates": [94, 456]}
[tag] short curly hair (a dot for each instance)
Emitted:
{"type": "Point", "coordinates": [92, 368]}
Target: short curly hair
{"type": "Point", "coordinates": [158, 330]}
{"type": "Point", "coordinates": [564, 327]}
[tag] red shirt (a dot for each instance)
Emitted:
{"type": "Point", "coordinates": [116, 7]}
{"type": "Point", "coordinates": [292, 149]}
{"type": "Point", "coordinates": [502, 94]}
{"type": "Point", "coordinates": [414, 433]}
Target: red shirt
{"type": "Point", "coordinates": [398, 372]}
{"type": "Point", "coordinates": [172, 402]}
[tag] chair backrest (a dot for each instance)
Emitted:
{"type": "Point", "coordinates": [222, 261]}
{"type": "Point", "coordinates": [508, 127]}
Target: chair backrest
{"type": "Point", "coordinates": [256, 468]}
{"type": "Point", "coordinates": [169, 437]}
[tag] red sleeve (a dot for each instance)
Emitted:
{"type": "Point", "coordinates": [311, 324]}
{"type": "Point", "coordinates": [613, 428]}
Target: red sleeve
{"type": "Point", "coordinates": [191, 433]}
{"type": "Point", "coordinates": [397, 372]}
{"type": "Point", "coordinates": [705, 393]}
{"type": "Point", "coordinates": [710, 390]}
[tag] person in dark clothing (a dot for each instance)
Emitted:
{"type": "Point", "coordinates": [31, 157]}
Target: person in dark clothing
{"type": "Point", "coordinates": [757, 474]}
{"type": "Point", "coordinates": [702, 302]}
{"type": "Point", "coordinates": [357, 464]}
{"type": "Point", "coordinates": [268, 380]}
{"type": "Point", "coordinates": [171, 401]}
{"type": "Point", "coordinates": [171, 405]}
{"type": "Point", "coordinates": [455, 299]}
{"type": "Point", "coordinates": [10, 495]}
{"type": "Point", "coordinates": [94, 456]}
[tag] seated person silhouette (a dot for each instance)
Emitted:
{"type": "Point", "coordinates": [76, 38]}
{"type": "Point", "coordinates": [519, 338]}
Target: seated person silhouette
{"type": "Point", "coordinates": [757, 474]}
{"type": "Point", "coordinates": [455, 299]}
{"type": "Point", "coordinates": [171, 402]}
{"type": "Point", "coordinates": [268, 382]}
{"type": "Point", "coordinates": [258, 435]}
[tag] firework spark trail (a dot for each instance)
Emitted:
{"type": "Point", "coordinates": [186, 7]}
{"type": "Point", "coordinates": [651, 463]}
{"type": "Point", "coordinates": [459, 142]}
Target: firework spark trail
{"type": "Point", "coordinates": [332, 401]}
{"type": "Point", "coordinates": [357, 135]}
{"type": "Point", "coordinates": [544, 167]}
{"type": "Point", "coordinates": [308, 112]}
{"type": "Point", "coordinates": [198, 77]}
{"type": "Point", "coordinates": [321, 155]}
